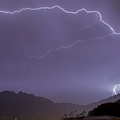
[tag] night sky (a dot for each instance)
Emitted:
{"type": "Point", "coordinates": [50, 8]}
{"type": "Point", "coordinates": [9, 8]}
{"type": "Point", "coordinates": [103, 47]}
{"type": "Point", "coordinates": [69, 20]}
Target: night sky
{"type": "Point", "coordinates": [65, 57]}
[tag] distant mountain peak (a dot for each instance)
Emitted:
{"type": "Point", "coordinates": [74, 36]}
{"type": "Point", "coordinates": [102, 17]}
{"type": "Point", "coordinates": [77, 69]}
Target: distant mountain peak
{"type": "Point", "coordinates": [28, 106]}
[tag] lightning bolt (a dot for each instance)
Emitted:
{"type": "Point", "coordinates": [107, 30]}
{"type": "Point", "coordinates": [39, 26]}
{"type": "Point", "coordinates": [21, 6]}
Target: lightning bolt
{"type": "Point", "coordinates": [66, 47]}
{"type": "Point", "coordinates": [114, 89]}
{"type": "Point", "coordinates": [68, 12]}
{"type": "Point", "coordinates": [77, 41]}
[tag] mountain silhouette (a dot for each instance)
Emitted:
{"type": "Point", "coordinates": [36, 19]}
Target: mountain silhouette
{"type": "Point", "coordinates": [29, 107]}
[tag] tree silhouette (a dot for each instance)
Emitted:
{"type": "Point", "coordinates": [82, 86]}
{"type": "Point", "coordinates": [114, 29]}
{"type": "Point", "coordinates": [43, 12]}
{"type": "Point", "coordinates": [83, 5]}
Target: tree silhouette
{"type": "Point", "coordinates": [112, 109]}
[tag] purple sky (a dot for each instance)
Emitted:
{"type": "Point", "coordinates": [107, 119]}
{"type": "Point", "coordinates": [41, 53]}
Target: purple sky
{"type": "Point", "coordinates": [32, 59]}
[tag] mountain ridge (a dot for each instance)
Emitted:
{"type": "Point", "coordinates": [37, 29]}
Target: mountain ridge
{"type": "Point", "coordinates": [26, 106]}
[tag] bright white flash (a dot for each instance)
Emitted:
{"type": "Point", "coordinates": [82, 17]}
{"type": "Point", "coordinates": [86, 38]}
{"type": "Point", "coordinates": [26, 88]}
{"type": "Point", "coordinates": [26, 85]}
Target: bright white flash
{"type": "Point", "coordinates": [114, 89]}
{"type": "Point", "coordinates": [68, 12]}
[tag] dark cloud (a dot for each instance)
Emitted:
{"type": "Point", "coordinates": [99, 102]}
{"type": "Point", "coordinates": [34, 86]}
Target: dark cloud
{"type": "Point", "coordinates": [88, 68]}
